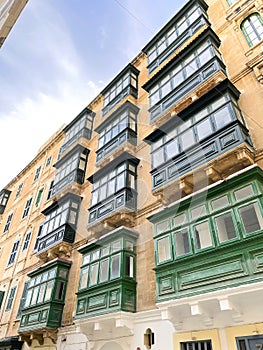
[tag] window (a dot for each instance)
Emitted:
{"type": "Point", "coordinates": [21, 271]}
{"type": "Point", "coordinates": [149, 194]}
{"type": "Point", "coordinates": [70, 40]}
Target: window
{"type": "Point", "coordinates": [231, 2]}
{"type": "Point", "coordinates": [202, 235]}
{"type": "Point", "coordinates": [22, 300]}
{"type": "Point", "coordinates": [13, 253]}
{"type": "Point", "coordinates": [251, 216]}
{"type": "Point", "coordinates": [252, 28]}
{"type": "Point", "coordinates": [197, 345]}
{"type": "Point", "coordinates": [225, 218]}
{"type": "Point", "coordinates": [199, 126]}
{"type": "Point", "coordinates": [122, 176]}
{"type": "Point", "coordinates": [84, 122]}
{"type": "Point", "coordinates": [164, 249]}
{"type": "Point", "coordinates": [4, 196]}
{"type": "Point", "coordinates": [63, 213]}
{"type": "Point", "coordinates": [19, 189]}
{"type": "Point", "coordinates": [50, 190]}
{"type": "Point", "coordinates": [27, 240]}
{"type": "Point", "coordinates": [38, 236]}
{"type": "Point", "coordinates": [126, 83]}
{"type": "Point", "coordinates": [181, 72]}
{"type": "Point", "coordinates": [27, 207]}
{"type": "Point", "coordinates": [37, 173]}
{"type": "Point", "coordinates": [172, 34]}
{"type": "Point", "coordinates": [10, 298]}
{"type": "Point", "coordinates": [8, 222]}
{"type": "Point", "coordinates": [250, 343]}
{"type": "Point", "coordinates": [122, 127]}
{"type": "Point", "coordinates": [39, 195]}
{"type": "Point", "coordinates": [71, 168]}
{"type": "Point", "coordinates": [46, 285]}
{"type": "Point", "coordinates": [112, 260]}
{"type": "Point", "coordinates": [48, 161]}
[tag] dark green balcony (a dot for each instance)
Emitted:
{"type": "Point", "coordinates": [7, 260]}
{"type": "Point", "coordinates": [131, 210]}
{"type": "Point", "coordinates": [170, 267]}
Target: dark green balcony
{"type": "Point", "coordinates": [45, 297]}
{"type": "Point", "coordinates": [108, 281]}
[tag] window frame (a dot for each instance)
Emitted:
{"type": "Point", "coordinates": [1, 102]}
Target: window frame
{"type": "Point", "coordinates": [259, 35]}
{"type": "Point", "coordinates": [11, 298]}
{"type": "Point", "coordinates": [178, 130]}
{"type": "Point", "coordinates": [27, 241]}
{"type": "Point", "coordinates": [13, 254]}
{"type": "Point", "coordinates": [27, 207]}
{"type": "Point", "coordinates": [37, 173]}
{"type": "Point", "coordinates": [8, 222]}
{"type": "Point", "coordinates": [117, 177]}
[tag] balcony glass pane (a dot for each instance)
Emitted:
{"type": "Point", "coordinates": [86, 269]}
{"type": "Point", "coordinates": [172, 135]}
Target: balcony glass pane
{"type": "Point", "coordinates": [115, 266]}
{"type": "Point", "coordinates": [182, 244]}
{"type": "Point", "coordinates": [225, 227]}
{"type": "Point", "coordinates": [202, 235]}
{"type": "Point", "coordinates": [251, 217]}
{"type": "Point", "coordinates": [164, 249]}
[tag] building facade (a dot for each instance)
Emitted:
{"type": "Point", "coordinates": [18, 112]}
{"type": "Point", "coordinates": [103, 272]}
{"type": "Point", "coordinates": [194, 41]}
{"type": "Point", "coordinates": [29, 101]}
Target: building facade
{"type": "Point", "coordinates": [139, 225]}
{"type": "Point", "coordinates": [9, 12]}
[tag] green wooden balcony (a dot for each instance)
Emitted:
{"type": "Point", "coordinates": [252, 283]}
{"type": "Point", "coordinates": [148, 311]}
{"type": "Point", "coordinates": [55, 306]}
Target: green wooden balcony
{"type": "Point", "coordinates": [211, 240]}
{"type": "Point", "coordinates": [108, 281]}
{"type": "Point", "coordinates": [45, 297]}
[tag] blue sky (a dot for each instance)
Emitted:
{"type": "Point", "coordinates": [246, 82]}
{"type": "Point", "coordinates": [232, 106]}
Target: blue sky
{"type": "Point", "coordinates": [58, 57]}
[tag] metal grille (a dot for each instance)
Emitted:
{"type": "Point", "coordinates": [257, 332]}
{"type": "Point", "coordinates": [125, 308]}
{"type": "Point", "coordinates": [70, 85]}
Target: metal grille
{"type": "Point", "coordinates": [197, 345]}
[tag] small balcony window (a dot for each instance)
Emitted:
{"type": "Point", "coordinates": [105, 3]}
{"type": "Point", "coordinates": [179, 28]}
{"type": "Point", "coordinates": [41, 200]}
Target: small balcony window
{"type": "Point", "coordinates": [81, 126]}
{"type": "Point", "coordinates": [126, 83]}
{"type": "Point", "coordinates": [114, 186]}
{"type": "Point", "coordinates": [60, 223]}
{"type": "Point", "coordinates": [120, 127]}
{"type": "Point", "coordinates": [182, 27]}
{"type": "Point", "coordinates": [71, 168]}
{"type": "Point", "coordinates": [185, 74]}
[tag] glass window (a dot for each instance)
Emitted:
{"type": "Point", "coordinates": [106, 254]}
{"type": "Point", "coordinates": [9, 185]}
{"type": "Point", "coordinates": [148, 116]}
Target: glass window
{"type": "Point", "coordinates": [59, 290]}
{"type": "Point", "coordinates": [27, 207]}
{"type": "Point", "coordinates": [84, 278]}
{"type": "Point", "coordinates": [182, 243]}
{"type": "Point", "coordinates": [115, 266]}
{"type": "Point", "coordinates": [104, 270]}
{"type": "Point", "coordinates": [93, 274]}
{"type": "Point", "coordinates": [129, 271]}
{"type": "Point", "coordinates": [41, 293]}
{"type": "Point", "coordinates": [162, 226]}
{"type": "Point", "coordinates": [8, 222]}
{"type": "Point", "coordinates": [222, 117]}
{"type": "Point", "coordinates": [187, 139]}
{"type": "Point", "coordinates": [164, 249]}
{"type": "Point", "coordinates": [10, 298]}
{"type": "Point", "coordinates": [204, 129]}
{"type": "Point", "coordinates": [202, 235]}
{"type": "Point", "coordinates": [244, 192]}
{"type": "Point", "coordinates": [252, 28]}
{"type": "Point", "coordinates": [49, 290]}
{"type": "Point", "coordinates": [251, 217]}
{"type": "Point", "coordinates": [198, 211]}
{"type": "Point", "coordinates": [120, 178]}
{"type": "Point", "coordinates": [219, 203]}
{"type": "Point", "coordinates": [180, 219]}
{"type": "Point", "coordinates": [225, 227]}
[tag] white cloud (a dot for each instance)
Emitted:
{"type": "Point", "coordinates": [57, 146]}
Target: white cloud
{"type": "Point", "coordinates": [30, 121]}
